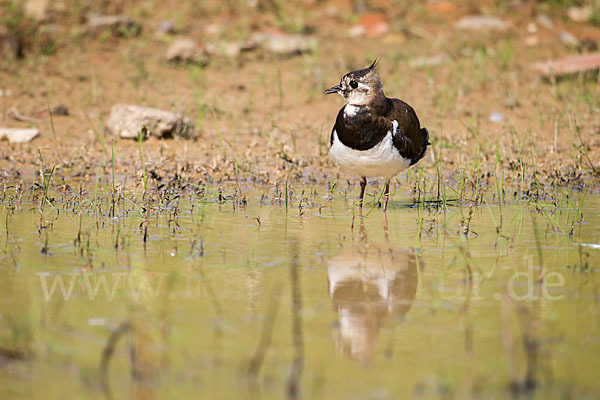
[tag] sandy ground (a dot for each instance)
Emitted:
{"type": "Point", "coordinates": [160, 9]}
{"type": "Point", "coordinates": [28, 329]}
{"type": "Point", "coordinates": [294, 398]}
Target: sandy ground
{"type": "Point", "coordinates": [260, 116]}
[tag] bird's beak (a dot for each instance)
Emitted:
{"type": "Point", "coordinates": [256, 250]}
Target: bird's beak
{"type": "Point", "coordinates": [333, 89]}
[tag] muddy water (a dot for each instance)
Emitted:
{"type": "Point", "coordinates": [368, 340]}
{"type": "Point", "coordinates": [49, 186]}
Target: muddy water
{"type": "Point", "coordinates": [244, 298]}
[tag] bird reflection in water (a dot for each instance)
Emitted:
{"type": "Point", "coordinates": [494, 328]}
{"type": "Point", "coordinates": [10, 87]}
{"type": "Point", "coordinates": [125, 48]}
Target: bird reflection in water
{"type": "Point", "coordinates": [368, 285]}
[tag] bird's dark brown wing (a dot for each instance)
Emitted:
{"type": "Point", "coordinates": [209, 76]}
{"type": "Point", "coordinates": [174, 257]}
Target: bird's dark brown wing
{"type": "Point", "coordinates": [362, 131]}
{"type": "Point", "coordinates": [365, 130]}
{"type": "Point", "coordinates": [410, 140]}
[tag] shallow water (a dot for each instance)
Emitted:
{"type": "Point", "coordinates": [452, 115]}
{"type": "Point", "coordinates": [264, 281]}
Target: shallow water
{"type": "Point", "coordinates": [243, 299]}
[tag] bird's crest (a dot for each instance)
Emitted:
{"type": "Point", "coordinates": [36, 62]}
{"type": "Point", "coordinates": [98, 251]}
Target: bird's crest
{"type": "Point", "coordinates": [374, 64]}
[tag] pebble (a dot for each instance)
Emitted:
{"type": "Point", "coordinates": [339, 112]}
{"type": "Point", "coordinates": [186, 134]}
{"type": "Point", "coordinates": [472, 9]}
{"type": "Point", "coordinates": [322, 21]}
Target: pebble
{"type": "Point", "coordinates": [97, 321]}
{"type": "Point", "coordinates": [119, 25]}
{"type": "Point", "coordinates": [545, 21]}
{"type": "Point", "coordinates": [433, 61]}
{"type": "Point", "coordinates": [166, 27]}
{"type": "Point", "coordinates": [568, 65]}
{"type": "Point", "coordinates": [371, 25]}
{"type": "Point", "coordinates": [282, 43]}
{"type": "Point", "coordinates": [568, 39]}
{"type": "Point", "coordinates": [185, 50]}
{"type": "Point", "coordinates": [37, 9]}
{"type": "Point", "coordinates": [496, 117]}
{"type": "Point", "coordinates": [532, 40]}
{"type": "Point", "coordinates": [19, 135]}
{"type": "Point", "coordinates": [580, 14]}
{"type": "Point", "coordinates": [480, 23]}
{"type": "Point", "coordinates": [127, 121]}
{"type": "Point", "coordinates": [229, 49]}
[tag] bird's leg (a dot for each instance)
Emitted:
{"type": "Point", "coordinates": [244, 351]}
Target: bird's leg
{"type": "Point", "coordinates": [363, 185]}
{"type": "Point", "coordinates": [386, 195]}
{"type": "Point", "coordinates": [384, 223]}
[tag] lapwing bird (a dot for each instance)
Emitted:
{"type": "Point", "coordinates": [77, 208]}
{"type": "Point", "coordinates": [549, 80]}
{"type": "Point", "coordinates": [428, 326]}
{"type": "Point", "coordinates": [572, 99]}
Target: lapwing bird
{"type": "Point", "coordinates": [373, 135]}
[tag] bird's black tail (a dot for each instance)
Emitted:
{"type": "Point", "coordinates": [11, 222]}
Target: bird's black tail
{"type": "Point", "coordinates": [425, 134]}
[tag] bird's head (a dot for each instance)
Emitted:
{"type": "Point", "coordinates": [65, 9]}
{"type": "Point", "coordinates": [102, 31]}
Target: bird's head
{"type": "Point", "coordinates": [359, 87]}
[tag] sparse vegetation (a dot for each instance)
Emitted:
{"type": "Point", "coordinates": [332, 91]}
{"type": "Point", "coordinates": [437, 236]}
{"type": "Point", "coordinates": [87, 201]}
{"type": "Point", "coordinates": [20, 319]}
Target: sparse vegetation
{"type": "Point", "coordinates": [191, 250]}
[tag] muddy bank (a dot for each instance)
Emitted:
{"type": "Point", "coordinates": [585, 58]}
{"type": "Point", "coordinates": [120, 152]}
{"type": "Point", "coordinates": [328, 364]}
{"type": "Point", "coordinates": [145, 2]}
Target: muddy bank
{"type": "Point", "coordinates": [259, 114]}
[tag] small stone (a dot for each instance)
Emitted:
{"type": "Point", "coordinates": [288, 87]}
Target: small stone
{"type": "Point", "coordinates": [97, 321]}
{"type": "Point", "coordinates": [356, 31]}
{"type": "Point", "coordinates": [282, 43]}
{"type": "Point", "coordinates": [480, 23]}
{"type": "Point", "coordinates": [568, 65]}
{"type": "Point", "coordinates": [19, 135]}
{"type": "Point", "coordinates": [185, 50]}
{"type": "Point", "coordinates": [545, 21]}
{"type": "Point", "coordinates": [228, 49]}
{"type": "Point", "coordinates": [580, 14]}
{"type": "Point", "coordinates": [37, 9]}
{"type": "Point", "coordinates": [531, 27]}
{"type": "Point", "coordinates": [433, 61]}
{"type": "Point", "coordinates": [119, 25]}
{"type": "Point", "coordinates": [568, 39]}
{"type": "Point", "coordinates": [496, 117]}
{"type": "Point", "coordinates": [128, 121]}
{"type": "Point", "coordinates": [371, 25]}
{"type": "Point", "coordinates": [532, 40]}
{"type": "Point", "coordinates": [166, 27]}
{"type": "Point", "coordinates": [49, 29]}
{"type": "Point", "coordinates": [213, 29]}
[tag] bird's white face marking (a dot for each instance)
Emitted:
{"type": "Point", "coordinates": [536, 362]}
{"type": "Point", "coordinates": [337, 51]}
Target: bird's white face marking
{"type": "Point", "coordinates": [359, 90]}
{"type": "Point", "coordinates": [383, 159]}
{"type": "Point", "coordinates": [359, 97]}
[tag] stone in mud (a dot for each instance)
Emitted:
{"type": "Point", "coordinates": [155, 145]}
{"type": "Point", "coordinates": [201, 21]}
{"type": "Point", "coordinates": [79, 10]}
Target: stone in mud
{"type": "Point", "coordinates": [428, 62]}
{"type": "Point", "coordinates": [480, 23]}
{"type": "Point", "coordinates": [127, 121]}
{"type": "Point", "coordinates": [166, 27]}
{"type": "Point", "coordinates": [568, 39]}
{"type": "Point", "coordinates": [580, 14]}
{"type": "Point", "coordinates": [282, 43]}
{"type": "Point", "coordinates": [532, 40]}
{"type": "Point", "coordinates": [545, 21]}
{"type": "Point", "coordinates": [37, 9]}
{"type": "Point", "coordinates": [566, 66]}
{"type": "Point", "coordinates": [371, 25]}
{"type": "Point", "coordinates": [19, 135]}
{"type": "Point", "coordinates": [496, 117]}
{"type": "Point", "coordinates": [229, 49]}
{"type": "Point", "coordinates": [185, 50]}
{"type": "Point", "coordinates": [119, 25]}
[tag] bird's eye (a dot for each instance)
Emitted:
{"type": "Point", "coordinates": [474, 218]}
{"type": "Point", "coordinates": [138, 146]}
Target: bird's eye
{"type": "Point", "coordinates": [353, 84]}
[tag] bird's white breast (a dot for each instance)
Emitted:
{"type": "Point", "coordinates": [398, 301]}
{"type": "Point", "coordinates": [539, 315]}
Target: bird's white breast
{"type": "Point", "coordinates": [383, 159]}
